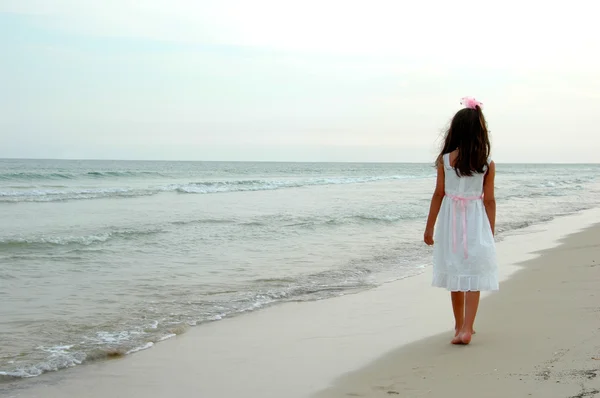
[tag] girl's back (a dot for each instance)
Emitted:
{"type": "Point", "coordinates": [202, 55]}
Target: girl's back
{"type": "Point", "coordinates": [461, 186]}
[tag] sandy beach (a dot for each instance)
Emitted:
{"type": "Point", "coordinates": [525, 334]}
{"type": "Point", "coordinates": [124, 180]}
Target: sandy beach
{"type": "Point", "coordinates": [537, 337]}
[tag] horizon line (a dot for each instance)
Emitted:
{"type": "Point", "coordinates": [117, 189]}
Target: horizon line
{"type": "Point", "coordinates": [276, 161]}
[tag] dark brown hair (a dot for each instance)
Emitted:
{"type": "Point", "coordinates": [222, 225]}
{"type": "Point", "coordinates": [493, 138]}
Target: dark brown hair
{"type": "Point", "coordinates": [468, 133]}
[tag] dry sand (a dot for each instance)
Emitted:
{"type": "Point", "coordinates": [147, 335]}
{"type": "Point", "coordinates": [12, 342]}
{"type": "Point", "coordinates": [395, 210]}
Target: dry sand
{"type": "Point", "coordinates": [537, 336]}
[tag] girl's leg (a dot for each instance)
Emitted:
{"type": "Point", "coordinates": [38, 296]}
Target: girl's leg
{"type": "Point", "coordinates": [466, 331]}
{"type": "Point", "coordinates": [458, 307]}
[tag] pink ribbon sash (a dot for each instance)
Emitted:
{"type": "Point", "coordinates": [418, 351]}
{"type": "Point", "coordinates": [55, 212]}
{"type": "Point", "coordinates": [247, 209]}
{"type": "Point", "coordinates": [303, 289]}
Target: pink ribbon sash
{"type": "Point", "coordinates": [462, 202]}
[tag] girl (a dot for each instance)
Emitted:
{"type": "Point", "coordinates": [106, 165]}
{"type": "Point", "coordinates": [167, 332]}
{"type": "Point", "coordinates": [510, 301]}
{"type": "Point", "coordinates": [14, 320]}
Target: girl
{"type": "Point", "coordinates": [464, 254]}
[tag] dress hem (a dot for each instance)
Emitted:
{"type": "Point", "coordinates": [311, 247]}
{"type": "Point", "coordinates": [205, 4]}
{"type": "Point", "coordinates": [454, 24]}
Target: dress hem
{"type": "Point", "coordinates": [466, 283]}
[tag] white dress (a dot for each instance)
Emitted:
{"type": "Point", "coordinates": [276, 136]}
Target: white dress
{"type": "Point", "coordinates": [464, 252]}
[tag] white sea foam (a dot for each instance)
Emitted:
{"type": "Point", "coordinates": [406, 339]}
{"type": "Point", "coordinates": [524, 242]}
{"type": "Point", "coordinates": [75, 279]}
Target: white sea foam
{"type": "Point", "coordinates": [84, 240]}
{"type": "Point", "coordinates": [103, 337]}
{"type": "Point", "coordinates": [208, 187]}
{"type": "Point", "coordinates": [144, 347]}
{"type": "Point", "coordinates": [204, 187]}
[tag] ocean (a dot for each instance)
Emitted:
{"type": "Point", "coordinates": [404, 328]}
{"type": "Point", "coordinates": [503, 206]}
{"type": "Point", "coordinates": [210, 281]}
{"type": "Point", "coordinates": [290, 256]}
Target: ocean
{"type": "Point", "coordinates": [106, 258]}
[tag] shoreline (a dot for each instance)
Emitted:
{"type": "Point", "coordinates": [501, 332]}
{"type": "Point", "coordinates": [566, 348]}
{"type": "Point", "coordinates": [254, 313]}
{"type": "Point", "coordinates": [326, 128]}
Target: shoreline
{"type": "Point", "coordinates": [298, 349]}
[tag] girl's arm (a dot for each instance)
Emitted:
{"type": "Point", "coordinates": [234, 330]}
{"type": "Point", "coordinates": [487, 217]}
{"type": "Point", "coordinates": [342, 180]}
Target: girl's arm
{"type": "Point", "coordinates": [489, 200]}
{"type": "Point", "coordinates": [436, 203]}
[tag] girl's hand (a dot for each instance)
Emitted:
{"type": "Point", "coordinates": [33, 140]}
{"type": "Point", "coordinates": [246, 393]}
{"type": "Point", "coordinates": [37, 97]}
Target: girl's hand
{"type": "Point", "coordinates": [428, 236]}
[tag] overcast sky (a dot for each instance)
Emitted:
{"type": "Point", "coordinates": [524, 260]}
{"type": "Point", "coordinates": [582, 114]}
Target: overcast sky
{"type": "Point", "coordinates": [325, 80]}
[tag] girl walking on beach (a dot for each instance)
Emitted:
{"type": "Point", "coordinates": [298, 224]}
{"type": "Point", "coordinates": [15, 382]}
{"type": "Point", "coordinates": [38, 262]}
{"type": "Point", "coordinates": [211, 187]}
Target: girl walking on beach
{"type": "Point", "coordinates": [464, 254]}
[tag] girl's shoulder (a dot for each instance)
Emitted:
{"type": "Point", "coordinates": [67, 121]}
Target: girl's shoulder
{"type": "Point", "coordinates": [450, 158]}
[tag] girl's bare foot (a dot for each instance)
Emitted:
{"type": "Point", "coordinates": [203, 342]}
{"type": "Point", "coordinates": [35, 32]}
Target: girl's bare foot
{"type": "Point", "coordinates": [457, 330]}
{"type": "Point", "coordinates": [463, 338]}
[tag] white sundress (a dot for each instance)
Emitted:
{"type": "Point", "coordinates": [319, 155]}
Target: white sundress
{"type": "Point", "coordinates": [464, 252]}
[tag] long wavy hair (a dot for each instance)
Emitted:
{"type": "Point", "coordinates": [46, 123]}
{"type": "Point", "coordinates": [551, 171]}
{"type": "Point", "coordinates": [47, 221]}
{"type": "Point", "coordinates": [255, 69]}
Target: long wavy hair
{"type": "Point", "coordinates": [469, 134]}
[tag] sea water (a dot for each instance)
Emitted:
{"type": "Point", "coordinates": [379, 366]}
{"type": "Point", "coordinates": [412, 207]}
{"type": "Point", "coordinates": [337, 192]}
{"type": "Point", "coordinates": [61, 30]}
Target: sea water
{"type": "Point", "coordinates": [106, 258]}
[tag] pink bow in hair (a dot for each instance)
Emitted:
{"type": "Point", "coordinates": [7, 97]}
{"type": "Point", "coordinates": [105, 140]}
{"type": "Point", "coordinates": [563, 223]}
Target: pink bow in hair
{"type": "Point", "coordinates": [470, 102]}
